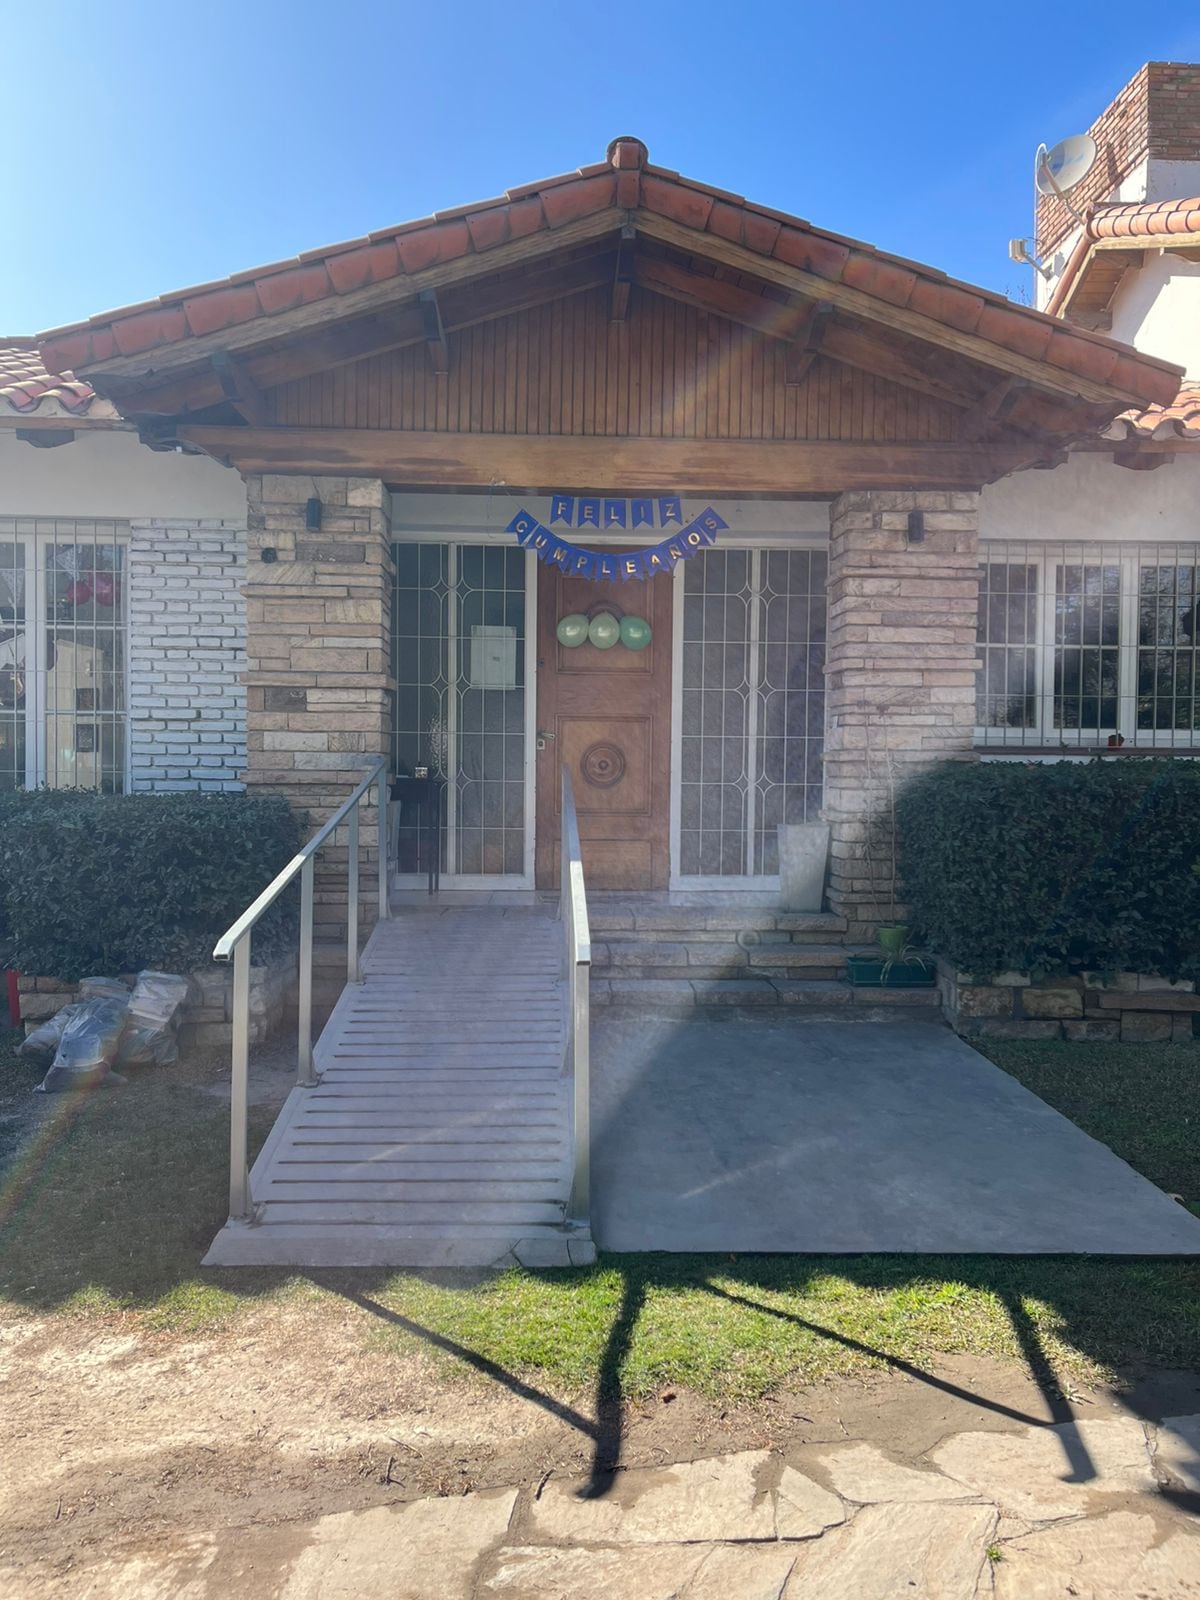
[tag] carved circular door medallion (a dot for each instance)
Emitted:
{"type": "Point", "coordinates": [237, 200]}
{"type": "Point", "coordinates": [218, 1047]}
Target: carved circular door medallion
{"type": "Point", "coordinates": [602, 765]}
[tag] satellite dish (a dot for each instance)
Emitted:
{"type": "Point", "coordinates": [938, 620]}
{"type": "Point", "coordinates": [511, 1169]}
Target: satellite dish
{"type": "Point", "coordinates": [1057, 171]}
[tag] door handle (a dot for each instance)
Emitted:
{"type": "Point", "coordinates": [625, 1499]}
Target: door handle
{"type": "Point", "coordinates": [544, 737]}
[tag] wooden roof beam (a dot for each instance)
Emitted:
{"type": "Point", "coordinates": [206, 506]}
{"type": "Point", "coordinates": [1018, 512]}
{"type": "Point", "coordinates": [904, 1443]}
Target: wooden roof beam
{"type": "Point", "coordinates": [623, 277]}
{"type": "Point", "coordinates": [793, 319]}
{"type": "Point", "coordinates": [434, 332]}
{"type": "Point", "coordinates": [992, 408]}
{"type": "Point", "coordinates": [804, 350]}
{"type": "Point", "coordinates": [339, 344]}
{"type": "Point", "coordinates": [540, 461]}
{"type": "Point", "coordinates": [240, 389]}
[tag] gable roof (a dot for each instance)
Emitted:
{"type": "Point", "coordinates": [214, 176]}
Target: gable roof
{"type": "Point", "coordinates": [1112, 240]}
{"type": "Point", "coordinates": [186, 328]}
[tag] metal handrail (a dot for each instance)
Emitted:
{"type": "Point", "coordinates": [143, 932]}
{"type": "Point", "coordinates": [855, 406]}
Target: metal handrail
{"type": "Point", "coordinates": [577, 953]}
{"type": "Point", "coordinates": [235, 943]}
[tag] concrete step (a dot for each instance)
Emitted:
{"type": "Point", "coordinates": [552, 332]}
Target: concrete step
{"type": "Point", "coordinates": [685, 922]}
{"type": "Point", "coordinates": [616, 957]}
{"type": "Point", "coordinates": [676, 995]}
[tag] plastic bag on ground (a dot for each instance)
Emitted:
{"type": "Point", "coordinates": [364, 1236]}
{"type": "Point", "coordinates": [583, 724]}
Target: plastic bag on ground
{"type": "Point", "coordinates": [41, 1043]}
{"type": "Point", "coordinates": [89, 1044]}
{"type": "Point", "coordinates": [103, 988]}
{"type": "Point", "coordinates": [149, 1038]}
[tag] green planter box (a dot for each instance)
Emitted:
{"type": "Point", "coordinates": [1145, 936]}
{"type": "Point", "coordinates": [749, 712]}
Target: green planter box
{"type": "Point", "coordinates": [866, 972]}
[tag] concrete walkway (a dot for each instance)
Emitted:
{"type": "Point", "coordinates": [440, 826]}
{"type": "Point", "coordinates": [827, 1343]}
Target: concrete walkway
{"type": "Point", "coordinates": [742, 1134]}
{"type": "Point", "coordinates": [1103, 1509]}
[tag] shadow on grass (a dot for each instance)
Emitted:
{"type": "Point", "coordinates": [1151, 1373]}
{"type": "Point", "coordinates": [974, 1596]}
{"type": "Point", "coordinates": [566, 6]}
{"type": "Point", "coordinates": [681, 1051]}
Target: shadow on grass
{"type": "Point", "coordinates": [112, 1200]}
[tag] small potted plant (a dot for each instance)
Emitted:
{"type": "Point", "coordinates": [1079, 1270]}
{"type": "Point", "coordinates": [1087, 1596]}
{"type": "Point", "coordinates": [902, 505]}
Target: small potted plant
{"type": "Point", "coordinates": [900, 966]}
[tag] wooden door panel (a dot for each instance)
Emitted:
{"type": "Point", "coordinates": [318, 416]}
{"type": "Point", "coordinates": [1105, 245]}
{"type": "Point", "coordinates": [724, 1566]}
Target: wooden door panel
{"type": "Point", "coordinates": [608, 715]}
{"type": "Point", "coordinates": [610, 762]}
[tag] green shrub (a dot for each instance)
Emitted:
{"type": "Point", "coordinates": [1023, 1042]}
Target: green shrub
{"type": "Point", "coordinates": [1058, 866]}
{"type": "Point", "coordinates": [113, 883]}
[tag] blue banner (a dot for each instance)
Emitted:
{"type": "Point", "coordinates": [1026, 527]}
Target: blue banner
{"type": "Point", "coordinates": [616, 566]}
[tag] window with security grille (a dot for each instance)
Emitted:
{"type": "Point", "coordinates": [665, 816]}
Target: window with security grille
{"type": "Point", "coordinates": [63, 654]}
{"type": "Point", "coordinates": [458, 658]}
{"type": "Point", "coordinates": [1089, 644]}
{"type": "Point", "coordinates": [752, 698]}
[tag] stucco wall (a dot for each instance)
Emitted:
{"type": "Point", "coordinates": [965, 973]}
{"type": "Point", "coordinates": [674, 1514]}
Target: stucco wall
{"type": "Point", "coordinates": [1157, 309]}
{"type": "Point", "coordinates": [110, 474]}
{"type": "Point", "coordinates": [1090, 497]}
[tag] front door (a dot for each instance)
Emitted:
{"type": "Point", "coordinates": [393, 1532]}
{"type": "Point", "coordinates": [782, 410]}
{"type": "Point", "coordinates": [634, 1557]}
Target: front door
{"type": "Point", "coordinates": [607, 715]}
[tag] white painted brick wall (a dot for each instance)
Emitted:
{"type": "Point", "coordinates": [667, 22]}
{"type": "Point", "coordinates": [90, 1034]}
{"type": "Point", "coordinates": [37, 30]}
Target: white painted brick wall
{"type": "Point", "coordinates": [187, 654]}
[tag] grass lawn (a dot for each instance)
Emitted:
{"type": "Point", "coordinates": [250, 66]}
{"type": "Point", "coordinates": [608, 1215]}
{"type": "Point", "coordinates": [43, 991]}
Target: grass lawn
{"type": "Point", "coordinates": [107, 1207]}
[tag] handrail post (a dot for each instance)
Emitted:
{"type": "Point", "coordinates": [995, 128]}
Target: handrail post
{"type": "Point", "coordinates": [305, 1076]}
{"type": "Point", "coordinates": [352, 897]}
{"type": "Point", "coordinates": [239, 1086]}
{"type": "Point", "coordinates": [581, 1184]}
{"type": "Point", "coordinates": [384, 864]}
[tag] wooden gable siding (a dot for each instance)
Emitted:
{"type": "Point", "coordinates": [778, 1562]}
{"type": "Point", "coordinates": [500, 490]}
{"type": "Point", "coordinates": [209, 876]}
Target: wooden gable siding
{"type": "Point", "coordinates": [669, 372]}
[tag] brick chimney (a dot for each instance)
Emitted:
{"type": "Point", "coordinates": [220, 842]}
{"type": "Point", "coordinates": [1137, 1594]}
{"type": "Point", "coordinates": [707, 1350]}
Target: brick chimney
{"type": "Point", "coordinates": [1154, 120]}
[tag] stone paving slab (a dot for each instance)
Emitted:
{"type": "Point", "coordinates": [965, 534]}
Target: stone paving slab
{"type": "Point", "coordinates": [1123, 1556]}
{"type": "Point", "coordinates": [1049, 1513]}
{"type": "Point", "coordinates": [1041, 1473]}
{"type": "Point", "coordinates": [722, 1131]}
{"type": "Point", "coordinates": [659, 1572]}
{"type": "Point", "coordinates": [934, 1552]}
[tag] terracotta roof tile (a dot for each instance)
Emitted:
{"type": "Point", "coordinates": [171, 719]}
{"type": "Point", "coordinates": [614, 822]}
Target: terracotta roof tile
{"type": "Point", "coordinates": [1132, 220]}
{"type": "Point", "coordinates": [28, 390]}
{"type": "Point", "coordinates": [625, 180]}
{"type": "Point", "coordinates": [1179, 420]}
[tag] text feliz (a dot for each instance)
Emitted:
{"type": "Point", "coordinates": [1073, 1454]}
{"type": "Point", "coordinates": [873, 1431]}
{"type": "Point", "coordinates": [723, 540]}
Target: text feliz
{"type": "Point", "coordinates": [616, 567]}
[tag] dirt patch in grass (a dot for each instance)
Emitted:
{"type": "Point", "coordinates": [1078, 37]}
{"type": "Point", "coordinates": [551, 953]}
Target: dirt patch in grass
{"type": "Point", "coordinates": [148, 1394]}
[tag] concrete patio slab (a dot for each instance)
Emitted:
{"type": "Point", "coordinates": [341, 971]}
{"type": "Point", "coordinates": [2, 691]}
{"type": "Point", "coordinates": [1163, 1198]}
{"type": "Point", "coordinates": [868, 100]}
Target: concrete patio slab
{"type": "Point", "coordinates": [727, 1132]}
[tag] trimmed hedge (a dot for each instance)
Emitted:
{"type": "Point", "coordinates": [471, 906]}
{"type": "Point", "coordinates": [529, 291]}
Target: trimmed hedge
{"type": "Point", "coordinates": [95, 883]}
{"type": "Point", "coordinates": [1056, 867]}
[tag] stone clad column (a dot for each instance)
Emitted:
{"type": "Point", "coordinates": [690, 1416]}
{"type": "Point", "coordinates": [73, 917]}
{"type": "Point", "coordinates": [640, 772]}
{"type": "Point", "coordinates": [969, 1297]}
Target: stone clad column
{"type": "Point", "coordinates": [900, 671]}
{"type": "Point", "coordinates": [318, 639]}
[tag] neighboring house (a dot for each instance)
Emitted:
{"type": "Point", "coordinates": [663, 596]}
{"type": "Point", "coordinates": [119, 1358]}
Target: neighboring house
{"type": "Point", "coordinates": [377, 414]}
{"type": "Point", "coordinates": [122, 621]}
{"type": "Point", "coordinates": [1091, 572]}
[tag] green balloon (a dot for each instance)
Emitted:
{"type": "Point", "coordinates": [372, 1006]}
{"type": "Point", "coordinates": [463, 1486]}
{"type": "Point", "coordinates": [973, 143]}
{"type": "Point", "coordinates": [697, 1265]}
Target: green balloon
{"type": "Point", "coordinates": [573, 630]}
{"type": "Point", "coordinates": [604, 631]}
{"type": "Point", "coordinates": [635, 633]}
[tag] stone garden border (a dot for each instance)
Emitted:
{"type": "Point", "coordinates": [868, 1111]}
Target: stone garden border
{"type": "Point", "coordinates": [1090, 1007]}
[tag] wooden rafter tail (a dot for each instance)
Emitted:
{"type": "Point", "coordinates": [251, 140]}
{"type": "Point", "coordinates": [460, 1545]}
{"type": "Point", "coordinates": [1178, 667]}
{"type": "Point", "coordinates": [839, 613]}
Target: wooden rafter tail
{"type": "Point", "coordinates": [623, 276]}
{"type": "Point", "coordinates": [434, 332]}
{"type": "Point", "coordinates": [806, 348]}
{"type": "Point", "coordinates": [992, 408]}
{"type": "Point", "coordinates": [240, 389]}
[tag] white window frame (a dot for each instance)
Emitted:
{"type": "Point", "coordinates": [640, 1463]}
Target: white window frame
{"type": "Point", "coordinates": [452, 878]}
{"type": "Point", "coordinates": [1047, 559]}
{"type": "Point", "coordinates": [34, 534]}
{"type": "Point", "coordinates": [728, 881]}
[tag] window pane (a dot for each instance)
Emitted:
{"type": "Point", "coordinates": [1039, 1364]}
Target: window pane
{"type": "Point", "coordinates": [1087, 617]}
{"type": "Point", "coordinates": [753, 716]}
{"type": "Point", "coordinates": [83, 683]}
{"type": "Point", "coordinates": [1006, 684]}
{"type": "Point", "coordinates": [13, 664]}
{"type": "Point", "coordinates": [1168, 611]}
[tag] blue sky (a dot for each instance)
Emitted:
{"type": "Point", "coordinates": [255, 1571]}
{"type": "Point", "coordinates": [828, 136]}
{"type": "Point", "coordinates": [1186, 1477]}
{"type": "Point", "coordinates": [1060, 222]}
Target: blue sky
{"type": "Point", "coordinates": [155, 145]}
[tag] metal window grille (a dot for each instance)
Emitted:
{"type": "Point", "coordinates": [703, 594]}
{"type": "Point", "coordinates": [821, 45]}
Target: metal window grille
{"type": "Point", "coordinates": [458, 658]}
{"type": "Point", "coordinates": [752, 706]}
{"type": "Point", "coordinates": [1083, 644]}
{"type": "Point", "coordinates": [63, 654]}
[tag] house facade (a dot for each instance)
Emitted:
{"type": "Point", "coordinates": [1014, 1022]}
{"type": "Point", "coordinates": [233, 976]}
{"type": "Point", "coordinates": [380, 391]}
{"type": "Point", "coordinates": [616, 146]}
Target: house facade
{"type": "Point", "coordinates": [848, 517]}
